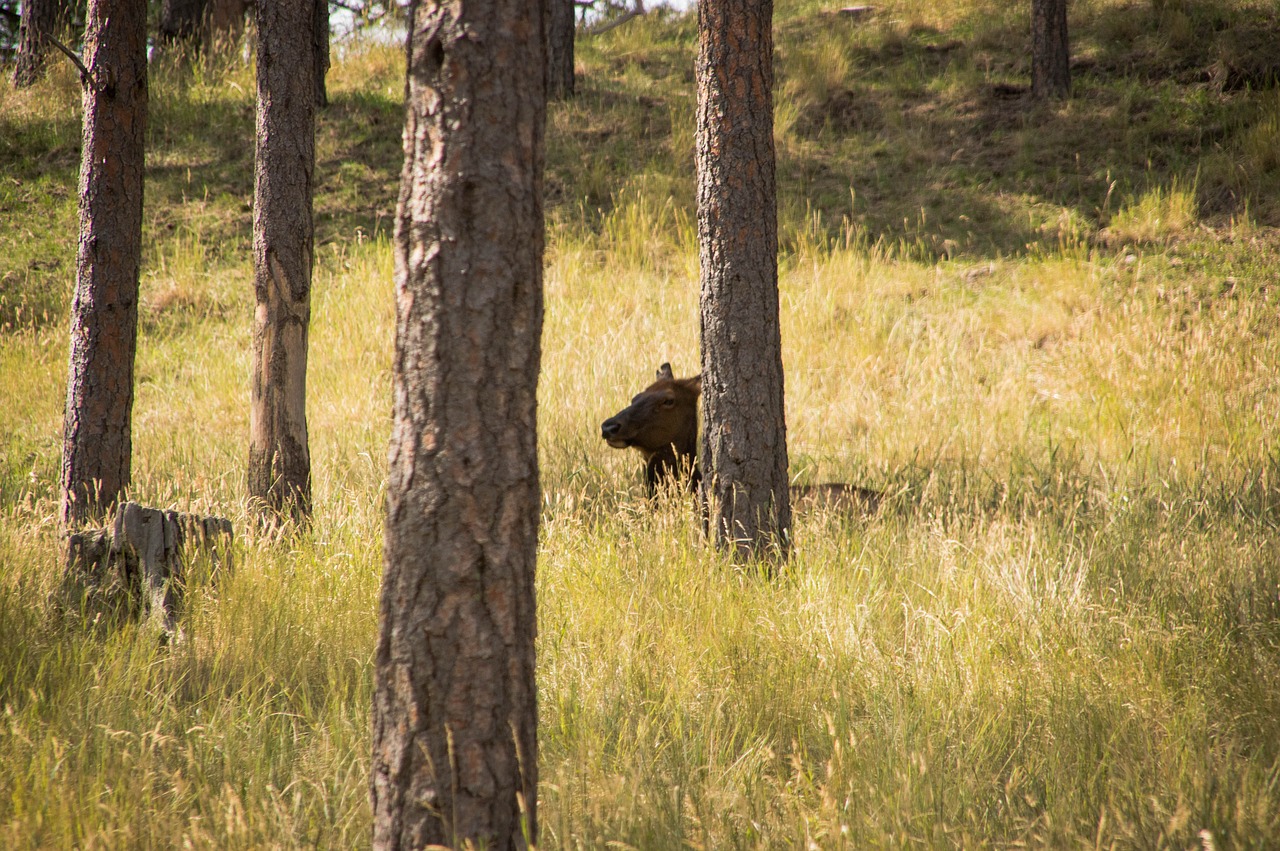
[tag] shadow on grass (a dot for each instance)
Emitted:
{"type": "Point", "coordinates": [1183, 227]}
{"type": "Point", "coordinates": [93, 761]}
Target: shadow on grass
{"type": "Point", "coordinates": [204, 178]}
{"type": "Point", "coordinates": [932, 143]}
{"type": "Point", "coordinates": [944, 146]}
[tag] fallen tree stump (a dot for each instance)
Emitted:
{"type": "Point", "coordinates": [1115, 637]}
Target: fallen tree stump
{"type": "Point", "coordinates": [141, 567]}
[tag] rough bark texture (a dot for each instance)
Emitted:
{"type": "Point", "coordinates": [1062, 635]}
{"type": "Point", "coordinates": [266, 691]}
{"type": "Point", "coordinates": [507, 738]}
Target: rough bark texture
{"type": "Point", "coordinates": [745, 440]}
{"type": "Point", "coordinates": [39, 18]}
{"type": "Point", "coordinates": [1050, 54]}
{"type": "Point", "coordinates": [97, 432]}
{"type": "Point", "coordinates": [279, 457]}
{"type": "Point", "coordinates": [560, 31]}
{"type": "Point", "coordinates": [142, 565]}
{"type": "Point", "coordinates": [455, 715]}
{"type": "Point", "coordinates": [320, 51]}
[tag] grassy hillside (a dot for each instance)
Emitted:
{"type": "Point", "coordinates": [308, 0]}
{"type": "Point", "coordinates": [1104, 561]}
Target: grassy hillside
{"type": "Point", "coordinates": [1051, 333]}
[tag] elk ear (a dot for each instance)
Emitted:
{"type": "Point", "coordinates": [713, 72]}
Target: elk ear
{"type": "Point", "coordinates": [664, 373]}
{"type": "Point", "coordinates": [694, 384]}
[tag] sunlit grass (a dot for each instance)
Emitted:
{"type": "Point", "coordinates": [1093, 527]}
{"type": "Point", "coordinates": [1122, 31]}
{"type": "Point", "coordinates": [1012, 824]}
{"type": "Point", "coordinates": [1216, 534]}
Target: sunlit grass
{"type": "Point", "coordinates": [1160, 214]}
{"type": "Point", "coordinates": [1060, 631]}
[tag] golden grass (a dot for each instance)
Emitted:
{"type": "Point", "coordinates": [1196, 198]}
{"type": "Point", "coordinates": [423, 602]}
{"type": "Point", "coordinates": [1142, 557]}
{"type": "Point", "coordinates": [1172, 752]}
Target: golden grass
{"type": "Point", "coordinates": [1060, 632]}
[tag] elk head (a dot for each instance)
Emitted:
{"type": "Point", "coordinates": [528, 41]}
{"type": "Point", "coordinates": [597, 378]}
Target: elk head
{"type": "Point", "coordinates": [661, 422]}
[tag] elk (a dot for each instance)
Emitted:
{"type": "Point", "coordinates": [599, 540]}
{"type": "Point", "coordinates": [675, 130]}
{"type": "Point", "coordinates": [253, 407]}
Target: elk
{"type": "Point", "coordinates": [662, 422]}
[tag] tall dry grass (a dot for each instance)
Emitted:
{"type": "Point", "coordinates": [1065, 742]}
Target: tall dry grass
{"type": "Point", "coordinates": [1060, 631]}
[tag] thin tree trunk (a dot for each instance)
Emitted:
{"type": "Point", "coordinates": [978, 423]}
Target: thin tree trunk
{"type": "Point", "coordinates": [560, 33]}
{"type": "Point", "coordinates": [745, 440]}
{"type": "Point", "coordinates": [279, 456]}
{"type": "Point", "coordinates": [1050, 52]}
{"type": "Point", "coordinates": [40, 18]}
{"type": "Point", "coordinates": [97, 433]}
{"type": "Point", "coordinates": [455, 713]}
{"type": "Point", "coordinates": [320, 50]}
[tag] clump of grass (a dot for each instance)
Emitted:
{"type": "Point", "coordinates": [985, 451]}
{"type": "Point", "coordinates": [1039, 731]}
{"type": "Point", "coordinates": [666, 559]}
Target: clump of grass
{"type": "Point", "coordinates": [1260, 146]}
{"type": "Point", "coordinates": [1160, 214]}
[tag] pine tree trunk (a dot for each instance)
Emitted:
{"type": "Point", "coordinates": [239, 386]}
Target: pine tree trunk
{"type": "Point", "coordinates": [1050, 53]}
{"type": "Point", "coordinates": [560, 32]}
{"type": "Point", "coordinates": [745, 440]}
{"type": "Point", "coordinates": [97, 434]}
{"type": "Point", "coordinates": [320, 51]}
{"type": "Point", "coordinates": [455, 716]}
{"type": "Point", "coordinates": [279, 456]}
{"type": "Point", "coordinates": [40, 18]}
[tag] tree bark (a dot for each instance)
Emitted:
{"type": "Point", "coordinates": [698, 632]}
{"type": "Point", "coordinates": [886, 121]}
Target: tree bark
{"type": "Point", "coordinates": [1050, 53]}
{"type": "Point", "coordinates": [40, 18]}
{"type": "Point", "coordinates": [560, 31]}
{"type": "Point", "coordinates": [320, 51]}
{"type": "Point", "coordinates": [745, 439]}
{"type": "Point", "coordinates": [279, 455]}
{"type": "Point", "coordinates": [455, 715]}
{"type": "Point", "coordinates": [97, 432]}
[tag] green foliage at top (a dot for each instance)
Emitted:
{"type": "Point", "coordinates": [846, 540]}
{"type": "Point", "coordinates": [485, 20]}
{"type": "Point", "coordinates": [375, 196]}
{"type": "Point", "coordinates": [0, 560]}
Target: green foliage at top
{"type": "Point", "coordinates": [1047, 332]}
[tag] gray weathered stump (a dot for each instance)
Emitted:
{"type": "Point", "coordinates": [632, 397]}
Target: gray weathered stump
{"type": "Point", "coordinates": [142, 565]}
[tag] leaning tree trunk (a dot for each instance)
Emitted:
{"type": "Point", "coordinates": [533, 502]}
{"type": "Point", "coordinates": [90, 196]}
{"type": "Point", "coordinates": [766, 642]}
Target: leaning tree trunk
{"type": "Point", "coordinates": [745, 440]}
{"type": "Point", "coordinates": [97, 434]}
{"type": "Point", "coordinates": [560, 31]}
{"type": "Point", "coordinates": [40, 19]}
{"type": "Point", "coordinates": [455, 717]}
{"type": "Point", "coordinates": [1050, 54]}
{"type": "Point", "coordinates": [279, 457]}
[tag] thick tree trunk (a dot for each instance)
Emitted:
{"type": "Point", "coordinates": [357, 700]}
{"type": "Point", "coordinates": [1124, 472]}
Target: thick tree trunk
{"type": "Point", "coordinates": [1050, 53]}
{"type": "Point", "coordinates": [97, 434]}
{"type": "Point", "coordinates": [745, 441]}
{"type": "Point", "coordinates": [279, 456]}
{"type": "Point", "coordinates": [455, 717]}
{"type": "Point", "coordinates": [560, 31]}
{"type": "Point", "coordinates": [320, 51]}
{"type": "Point", "coordinates": [40, 18]}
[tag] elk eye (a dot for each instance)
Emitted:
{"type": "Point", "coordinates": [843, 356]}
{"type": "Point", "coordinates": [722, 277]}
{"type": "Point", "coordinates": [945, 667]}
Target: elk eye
{"type": "Point", "coordinates": [668, 403]}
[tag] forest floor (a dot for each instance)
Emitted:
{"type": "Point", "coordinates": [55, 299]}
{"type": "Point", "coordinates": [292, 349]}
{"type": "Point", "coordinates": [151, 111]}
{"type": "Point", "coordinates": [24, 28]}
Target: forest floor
{"type": "Point", "coordinates": [1051, 333]}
